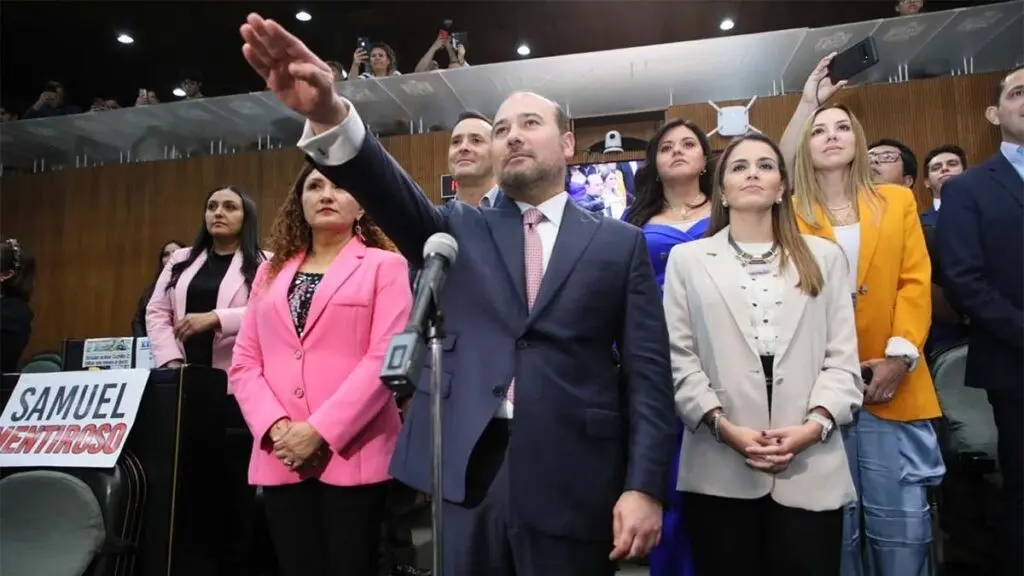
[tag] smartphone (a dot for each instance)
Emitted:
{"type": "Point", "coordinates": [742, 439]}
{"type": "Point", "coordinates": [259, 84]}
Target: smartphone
{"type": "Point", "coordinates": [363, 42]}
{"type": "Point", "coordinates": [866, 374]}
{"type": "Point", "coordinates": [442, 34]}
{"type": "Point", "coordinates": [853, 60]}
{"type": "Point", "coordinates": [459, 38]}
{"type": "Point", "coordinates": [143, 92]}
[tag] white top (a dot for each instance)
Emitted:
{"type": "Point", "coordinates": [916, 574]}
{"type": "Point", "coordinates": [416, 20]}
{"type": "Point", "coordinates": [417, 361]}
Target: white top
{"type": "Point", "coordinates": [848, 238]}
{"type": "Point", "coordinates": [341, 144]}
{"type": "Point", "coordinates": [764, 292]}
{"type": "Point", "coordinates": [937, 202]}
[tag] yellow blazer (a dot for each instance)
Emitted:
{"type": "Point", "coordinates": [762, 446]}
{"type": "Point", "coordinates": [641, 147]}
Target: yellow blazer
{"type": "Point", "coordinates": [893, 294]}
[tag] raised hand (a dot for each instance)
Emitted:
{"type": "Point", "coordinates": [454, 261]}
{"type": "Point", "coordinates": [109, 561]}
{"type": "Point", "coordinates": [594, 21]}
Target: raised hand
{"type": "Point", "coordinates": [819, 87]}
{"type": "Point", "coordinates": [299, 78]}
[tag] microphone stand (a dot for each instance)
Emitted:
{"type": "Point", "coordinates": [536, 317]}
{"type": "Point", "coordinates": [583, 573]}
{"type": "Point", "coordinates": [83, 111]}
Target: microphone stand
{"type": "Point", "coordinates": [435, 339]}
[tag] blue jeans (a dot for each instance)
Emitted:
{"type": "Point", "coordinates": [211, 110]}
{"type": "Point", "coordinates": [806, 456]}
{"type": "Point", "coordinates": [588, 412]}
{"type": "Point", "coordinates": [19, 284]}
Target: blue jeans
{"type": "Point", "coordinates": [893, 464]}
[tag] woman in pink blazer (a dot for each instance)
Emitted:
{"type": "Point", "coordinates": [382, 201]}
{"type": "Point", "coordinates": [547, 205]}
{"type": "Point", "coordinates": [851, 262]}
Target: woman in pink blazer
{"type": "Point", "coordinates": [306, 374]}
{"type": "Point", "coordinates": [193, 317]}
{"type": "Point", "coordinates": [200, 297]}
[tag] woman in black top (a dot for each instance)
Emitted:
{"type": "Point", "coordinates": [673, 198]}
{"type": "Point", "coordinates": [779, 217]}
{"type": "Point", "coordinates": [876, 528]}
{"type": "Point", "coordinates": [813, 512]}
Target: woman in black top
{"type": "Point", "coordinates": [139, 320]}
{"type": "Point", "coordinates": [17, 278]}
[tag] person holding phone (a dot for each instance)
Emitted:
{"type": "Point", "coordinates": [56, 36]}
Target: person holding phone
{"type": "Point", "coordinates": [51, 102]}
{"type": "Point", "coordinates": [893, 450]}
{"type": "Point", "coordinates": [378, 59]}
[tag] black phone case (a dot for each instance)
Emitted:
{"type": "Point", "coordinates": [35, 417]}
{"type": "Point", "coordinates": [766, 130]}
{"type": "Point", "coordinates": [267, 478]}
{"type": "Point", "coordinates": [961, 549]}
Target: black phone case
{"type": "Point", "coordinates": [866, 374]}
{"type": "Point", "coordinates": [853, 60]}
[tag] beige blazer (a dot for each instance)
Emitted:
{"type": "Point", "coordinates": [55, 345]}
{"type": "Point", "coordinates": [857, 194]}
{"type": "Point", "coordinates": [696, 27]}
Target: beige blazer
{"type": "Point", "coordinates": [716, 364]}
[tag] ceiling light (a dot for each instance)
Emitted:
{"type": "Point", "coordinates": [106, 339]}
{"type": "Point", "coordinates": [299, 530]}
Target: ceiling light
{"type": "Point", "coordinates": [523, 50]}
{"type": "Point", "coordinates": [303, 16]}
{"type": "Point", "coordinates": [125, 39]}
{"type": "Point", "coordinates": [179, 92]}
{"type": "Point", "coordinates": [727, 24]}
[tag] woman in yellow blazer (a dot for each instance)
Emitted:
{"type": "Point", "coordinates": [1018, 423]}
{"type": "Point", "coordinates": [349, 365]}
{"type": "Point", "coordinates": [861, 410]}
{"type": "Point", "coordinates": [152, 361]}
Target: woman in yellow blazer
{"type": "Point", "coordinates": [893, 451]}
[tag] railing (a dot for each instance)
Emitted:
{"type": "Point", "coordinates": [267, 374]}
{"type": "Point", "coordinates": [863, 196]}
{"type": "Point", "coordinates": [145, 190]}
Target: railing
{"type": "Point", "coordinates": [963, 41]}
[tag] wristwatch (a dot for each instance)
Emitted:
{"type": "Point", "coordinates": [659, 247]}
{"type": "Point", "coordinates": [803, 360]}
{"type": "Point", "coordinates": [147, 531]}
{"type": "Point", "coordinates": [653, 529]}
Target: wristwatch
{"type": "Point", "coordinates": [827, 425]}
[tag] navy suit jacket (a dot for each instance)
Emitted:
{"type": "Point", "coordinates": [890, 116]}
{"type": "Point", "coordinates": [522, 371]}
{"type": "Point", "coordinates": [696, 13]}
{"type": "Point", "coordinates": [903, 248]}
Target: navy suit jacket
{"type": "Point", "coordinates": [981, 254]}
{"type": "Point", "coordinates": [584, 431]}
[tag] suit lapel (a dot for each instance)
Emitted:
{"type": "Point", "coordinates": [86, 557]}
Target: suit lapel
{"type": "Point", "coordinates": [869, 232]}
{"type": "Point", "coordinates": [575, 232]}
{"type": "Point", "coordinates": [794, 301]}
{"type": "Point", "coordinates": [1004, 173]}
{"type": "Point", "coordinates": [181, 288]}
{"type": "Point", "coordinates": [505, 222]}
{"type": "Point", "coordinates": [728, 276]}
{"type": "Point", "coordinates": [278, 292]}
{"type": "Point", "coordinates": [232, 281]}
{"type": "Point", "coordinates": [344, 264]}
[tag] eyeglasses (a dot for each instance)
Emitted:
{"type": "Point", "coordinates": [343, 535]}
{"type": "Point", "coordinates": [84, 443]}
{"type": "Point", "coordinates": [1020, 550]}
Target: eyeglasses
{"type": "Point", "coordinates": [884, 157]}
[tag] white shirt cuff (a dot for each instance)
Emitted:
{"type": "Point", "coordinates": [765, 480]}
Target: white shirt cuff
{"type": "Point", "coordinates": [900, 348]}
{"type": "Point", "coordinates": [337, 145]}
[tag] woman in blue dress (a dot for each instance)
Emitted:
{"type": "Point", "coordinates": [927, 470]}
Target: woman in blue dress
{"type": "Point", "coordinates": [671, 206]}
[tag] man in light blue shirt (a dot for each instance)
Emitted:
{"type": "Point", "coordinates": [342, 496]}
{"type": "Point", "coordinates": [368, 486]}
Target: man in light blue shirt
{"type": "Point", "coordinates": [980, 239]}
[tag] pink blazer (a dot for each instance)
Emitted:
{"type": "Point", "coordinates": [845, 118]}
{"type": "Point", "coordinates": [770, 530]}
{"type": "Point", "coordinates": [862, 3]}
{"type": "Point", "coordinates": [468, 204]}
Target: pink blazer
{"type": "Point", "coordinates": [330, 377]}
{"type": "Point", "coordinates": [165, 308]}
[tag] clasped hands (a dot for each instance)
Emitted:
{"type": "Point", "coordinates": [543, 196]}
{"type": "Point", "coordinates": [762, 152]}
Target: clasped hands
{"type": "Point", "coordinates": [297, 444]}
{"type": "Point", "coordinates": [195, 323]}
{"type": "Point", "coordinates": [769, 451]}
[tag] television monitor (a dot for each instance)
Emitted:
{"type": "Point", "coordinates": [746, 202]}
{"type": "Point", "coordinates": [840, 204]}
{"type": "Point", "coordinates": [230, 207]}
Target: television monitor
{"type": "Point", "coordinates": [602, 187]}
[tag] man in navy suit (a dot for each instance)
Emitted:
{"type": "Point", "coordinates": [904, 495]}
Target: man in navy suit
{"type": "Point", "coordinates": [981, 254]}
{"type": "Point", "coordinates": [556, 456]}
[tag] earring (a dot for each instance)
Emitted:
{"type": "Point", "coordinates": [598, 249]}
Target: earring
{"type": "Point", "coordinates": [778, 200]}
{"type": "Point", "coordinates": [725, 203]}
{"type": "Point", "coordinates": [358, 229]}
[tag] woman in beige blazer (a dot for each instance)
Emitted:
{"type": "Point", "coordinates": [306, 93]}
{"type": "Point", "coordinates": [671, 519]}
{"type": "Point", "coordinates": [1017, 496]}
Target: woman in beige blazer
{"type": "Point", "coordinates": [764, 358]}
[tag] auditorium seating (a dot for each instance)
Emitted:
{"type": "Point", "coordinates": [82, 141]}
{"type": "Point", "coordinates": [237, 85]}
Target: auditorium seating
{"type": "Point", "coordinates": [968, 497]}
{"type": "Point", "coordinates": [52, 524]}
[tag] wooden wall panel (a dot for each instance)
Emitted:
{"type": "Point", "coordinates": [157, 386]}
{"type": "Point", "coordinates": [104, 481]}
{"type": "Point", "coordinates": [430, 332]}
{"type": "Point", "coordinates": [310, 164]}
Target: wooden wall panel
{"type": "Point", "coordinates": [922, 114]}
{"type": "Point", "coordinates": [95, 232]}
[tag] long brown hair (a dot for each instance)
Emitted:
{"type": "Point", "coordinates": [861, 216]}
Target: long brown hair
{"type": "Point", "coordinates": [291, 235]}
{"type": "Point", "coordinates": [807, 191]}
{"type": "Point", "coordinates": [791, 243]}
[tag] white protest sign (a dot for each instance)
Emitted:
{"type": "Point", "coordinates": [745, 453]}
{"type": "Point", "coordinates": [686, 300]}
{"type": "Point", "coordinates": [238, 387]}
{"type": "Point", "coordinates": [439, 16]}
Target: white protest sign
{"type": "Point", "coordinates": [143, 353]}
{"type": "Point", "coordinates": [110, 353]}
{"type": "Point", "coordinates": [70, 419]}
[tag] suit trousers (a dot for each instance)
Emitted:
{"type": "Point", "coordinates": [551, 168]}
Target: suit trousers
{"type": "Point", "coordinates": [484, 536]}
{"type": "Point", "coordinates": [731, 536]}
{"type": "Point", "coordinates": [324, 530]}
{"type": "Point", "coordinates": [1008, 413]}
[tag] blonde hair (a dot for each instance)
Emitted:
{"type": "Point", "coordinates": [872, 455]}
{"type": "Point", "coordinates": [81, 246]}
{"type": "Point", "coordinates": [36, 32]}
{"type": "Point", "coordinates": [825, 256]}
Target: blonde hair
{"type": "Point", "coordinates": [807, 193]}
{"type": "Point", "coordinates": [791, 244]}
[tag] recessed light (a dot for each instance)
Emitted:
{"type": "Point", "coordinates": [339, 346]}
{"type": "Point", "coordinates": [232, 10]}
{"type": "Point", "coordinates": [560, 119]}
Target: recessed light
{"type": "Point", "coordinates": [523, 50]}
{"type": "Point", "coordinates": [727, 24]}
{"type": "Point", "coordinates": [303, 16]}
{"type": "Point", "coordinates": [179, 92]}
{"type": "Point", "coordinates": [125, 39]}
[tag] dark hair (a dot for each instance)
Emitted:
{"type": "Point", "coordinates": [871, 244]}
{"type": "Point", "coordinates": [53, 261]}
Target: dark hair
{"type": "Point", "coordinates": [793, 247]}
{"type": "Point", "coordinates": [392, 60]}
{"type": "Point", "coordinates": [1003, 82]}
{"type": "Point", "coordinates": [472, 115]}
{"type": "Point", "coordinates": [334, 64]}
{"type": "Point", "coordinates": [248, 240]}
{"type": "Point", "coordinates": [14, 258]}
{"type": "Point", "coordinates": [944, 149]}
{"type": "Point", "coordinates": [650, 192]}
{"type": "Point", "coordinates": [906, 154]}
{"type": "Point", "coordinates": [160, 254]}
{"type": "Point", "coordinates": [291, 234]}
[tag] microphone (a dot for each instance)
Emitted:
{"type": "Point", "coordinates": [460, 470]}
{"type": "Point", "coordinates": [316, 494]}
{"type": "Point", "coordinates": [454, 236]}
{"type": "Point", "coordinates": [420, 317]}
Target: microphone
{"type": "Point", "coordinates": [404, 358]}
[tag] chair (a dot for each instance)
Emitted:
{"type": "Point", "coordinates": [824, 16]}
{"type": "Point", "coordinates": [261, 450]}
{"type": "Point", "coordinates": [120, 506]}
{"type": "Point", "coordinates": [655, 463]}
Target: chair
{"type": "Point", "coordinates": [40, 366]}
{"type": "Point", "coordinates": [967, 437]}
{"type": "Point", "coordinates": [48, 356]}
{"type": "Point", "coordinates": [51, 524]}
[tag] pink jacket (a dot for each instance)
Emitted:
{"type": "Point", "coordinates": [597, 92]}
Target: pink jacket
{"type": "Point", "coordinates": [165, 308]}
{"type": "Point", "coordinates": [330, 377]}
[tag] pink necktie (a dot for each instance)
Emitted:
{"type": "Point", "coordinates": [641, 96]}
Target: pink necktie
{"type": "Point", "coordinates": [534, 252]}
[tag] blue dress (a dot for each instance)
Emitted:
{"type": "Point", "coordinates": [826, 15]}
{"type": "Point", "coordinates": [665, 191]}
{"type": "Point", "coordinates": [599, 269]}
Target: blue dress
{"type": "Point", "coordinates": [672, 556]}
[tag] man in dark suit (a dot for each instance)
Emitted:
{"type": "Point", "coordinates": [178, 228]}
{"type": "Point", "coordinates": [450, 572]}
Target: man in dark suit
{"type": "Point", "coordinates": [556, 458]}
{"type": "Point", "coordinates": [981, 253]}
